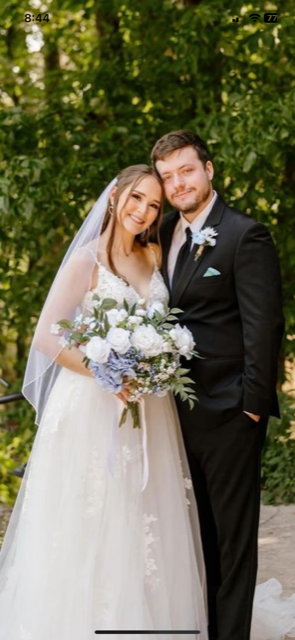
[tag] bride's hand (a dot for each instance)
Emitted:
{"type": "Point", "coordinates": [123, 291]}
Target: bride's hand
{"type": "Point", "coordinates": [125, 394]}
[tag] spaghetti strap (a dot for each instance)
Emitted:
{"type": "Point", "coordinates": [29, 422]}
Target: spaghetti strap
{"type": "Point", "coordinates": [94, 256]}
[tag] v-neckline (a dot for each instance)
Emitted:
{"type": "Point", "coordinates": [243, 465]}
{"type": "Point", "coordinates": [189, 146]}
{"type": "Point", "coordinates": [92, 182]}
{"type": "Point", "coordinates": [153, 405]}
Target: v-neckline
{"type": "Point", "coordinates": [146, 298]}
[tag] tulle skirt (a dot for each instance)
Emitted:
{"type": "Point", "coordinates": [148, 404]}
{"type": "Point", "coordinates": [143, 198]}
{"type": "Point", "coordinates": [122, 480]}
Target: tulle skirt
{"type": "Point", "coordinates": [86, 550]}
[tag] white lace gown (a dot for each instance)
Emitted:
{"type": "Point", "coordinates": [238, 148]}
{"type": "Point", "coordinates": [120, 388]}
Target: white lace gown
{"type": "Point", "coordinates": [88, 551]}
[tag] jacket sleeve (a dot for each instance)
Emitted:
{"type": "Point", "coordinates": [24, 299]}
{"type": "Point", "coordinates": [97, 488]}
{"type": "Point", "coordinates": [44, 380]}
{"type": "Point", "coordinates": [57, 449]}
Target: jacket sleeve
{"type": "Point", "coordinates": [258, 289]}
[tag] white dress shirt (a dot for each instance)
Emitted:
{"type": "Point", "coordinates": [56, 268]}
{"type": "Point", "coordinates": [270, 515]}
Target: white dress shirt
{"type": "Point", "coordinates": [179, 235]}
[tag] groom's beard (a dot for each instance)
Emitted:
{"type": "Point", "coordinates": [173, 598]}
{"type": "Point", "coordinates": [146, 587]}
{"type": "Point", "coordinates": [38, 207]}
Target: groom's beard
{"type": "Point", "coordinates": [195, 203]}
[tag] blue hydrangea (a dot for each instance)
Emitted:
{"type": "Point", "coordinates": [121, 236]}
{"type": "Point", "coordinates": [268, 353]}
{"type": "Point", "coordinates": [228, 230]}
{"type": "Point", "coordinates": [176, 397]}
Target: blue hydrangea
{"type": "Point", "coordinates": [109, 379]}
{"type": "Point", "coordinates": [125, 363]}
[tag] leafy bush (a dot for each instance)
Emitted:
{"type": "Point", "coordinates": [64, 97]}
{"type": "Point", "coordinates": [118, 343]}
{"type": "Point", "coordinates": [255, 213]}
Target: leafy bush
{"type": "Point", "coordinates": [108, 80]}
{"type": "Point", "coordinates": [17, 431]}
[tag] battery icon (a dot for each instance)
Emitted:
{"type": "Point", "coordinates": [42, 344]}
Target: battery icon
{"type": "Point", "coordinates": [270, 17]}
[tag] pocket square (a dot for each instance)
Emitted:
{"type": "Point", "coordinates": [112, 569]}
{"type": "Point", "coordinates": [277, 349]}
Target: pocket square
{"type": "Point", "coordinates": [211, 272]}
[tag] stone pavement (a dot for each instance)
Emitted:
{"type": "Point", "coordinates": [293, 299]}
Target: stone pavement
{"type": "Point", "coordinates": [277, 545]}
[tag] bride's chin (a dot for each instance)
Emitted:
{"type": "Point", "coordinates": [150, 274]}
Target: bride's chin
{"type": "Point", "coordinates": [134, 228]}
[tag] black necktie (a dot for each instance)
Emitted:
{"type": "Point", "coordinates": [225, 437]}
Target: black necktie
{"type": "Point", "coordinates": [182, 257]}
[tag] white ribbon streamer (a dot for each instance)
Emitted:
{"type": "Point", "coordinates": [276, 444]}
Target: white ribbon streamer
{"type": "Point", "coordinates": [145, 473]}
{"type": "Point", "coordinates": [114, 446]}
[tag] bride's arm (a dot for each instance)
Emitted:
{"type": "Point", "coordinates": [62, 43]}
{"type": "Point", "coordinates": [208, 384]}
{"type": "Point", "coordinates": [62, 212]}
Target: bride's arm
{"type": "Point", "coordinates": [74, 281]}
{"type": "Point", "coordinates": [66, 297]}
{"type": "Point", "coordinates": [77, 277]}
{"type": "Point", "coordinates": [73, 359]}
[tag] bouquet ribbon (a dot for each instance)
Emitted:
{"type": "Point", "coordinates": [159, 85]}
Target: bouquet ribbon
{"type": "Point", "coordinates": [114, 446]}
{"type": "Point", "coordinates": [145, 473]}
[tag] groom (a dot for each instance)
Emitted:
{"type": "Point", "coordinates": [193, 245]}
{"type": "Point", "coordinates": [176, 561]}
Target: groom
{"type": "Point", "coordinates": [230, 293]}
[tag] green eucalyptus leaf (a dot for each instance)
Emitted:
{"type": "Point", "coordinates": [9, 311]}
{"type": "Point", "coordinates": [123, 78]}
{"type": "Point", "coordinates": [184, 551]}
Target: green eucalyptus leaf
{"type": "Point", "coordinates": [108, 304]}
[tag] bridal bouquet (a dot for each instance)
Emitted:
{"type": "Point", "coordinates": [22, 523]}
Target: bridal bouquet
{"type": "Point", "coordinates": [135, 346]}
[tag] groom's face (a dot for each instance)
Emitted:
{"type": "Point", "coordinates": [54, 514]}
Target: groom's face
{"type": "Point", "coordinates": [187, 182]}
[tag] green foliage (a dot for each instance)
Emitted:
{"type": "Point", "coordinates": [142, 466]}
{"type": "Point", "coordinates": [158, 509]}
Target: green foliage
{"type": "Point", "coordinates": [278, 469]}
{"type": "Point", "coordinates": [17, 431]}
{"type": "Point", "coordinates": [108, 80]}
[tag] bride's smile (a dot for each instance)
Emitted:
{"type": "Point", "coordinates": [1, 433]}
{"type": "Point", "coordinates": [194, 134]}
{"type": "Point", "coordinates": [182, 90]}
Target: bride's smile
{"type": "Point", "coordinates": [136, 211]}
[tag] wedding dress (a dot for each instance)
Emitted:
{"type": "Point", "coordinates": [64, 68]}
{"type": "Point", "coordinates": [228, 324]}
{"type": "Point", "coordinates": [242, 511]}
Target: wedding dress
{"type": "Point", "coordinates": [92, 552]}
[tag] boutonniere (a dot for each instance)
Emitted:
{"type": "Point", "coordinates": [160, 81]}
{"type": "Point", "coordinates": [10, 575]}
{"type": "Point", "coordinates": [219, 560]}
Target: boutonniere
{"type": "Point", "coordinates": [205, 238]}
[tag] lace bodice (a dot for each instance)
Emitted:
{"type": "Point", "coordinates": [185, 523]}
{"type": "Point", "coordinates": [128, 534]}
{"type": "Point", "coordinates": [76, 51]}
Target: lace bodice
{"type": "Point", "coordinates": [112, 286]}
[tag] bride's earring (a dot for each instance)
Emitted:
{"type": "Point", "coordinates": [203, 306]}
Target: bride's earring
{"type": "Point", "coordinates": [111, 209]}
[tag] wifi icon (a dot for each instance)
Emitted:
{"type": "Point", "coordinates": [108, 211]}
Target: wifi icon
{"type": "Point", "coordinates": [254, 16]}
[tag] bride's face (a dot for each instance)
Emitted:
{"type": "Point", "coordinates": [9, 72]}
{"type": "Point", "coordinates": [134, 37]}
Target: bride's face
{"type": "Point", "coordinates": [138, 210]}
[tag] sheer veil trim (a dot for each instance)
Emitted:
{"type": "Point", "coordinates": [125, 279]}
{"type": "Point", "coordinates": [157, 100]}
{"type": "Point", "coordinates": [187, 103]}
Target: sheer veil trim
{"type": "Point", "coordinates": [71, 283]}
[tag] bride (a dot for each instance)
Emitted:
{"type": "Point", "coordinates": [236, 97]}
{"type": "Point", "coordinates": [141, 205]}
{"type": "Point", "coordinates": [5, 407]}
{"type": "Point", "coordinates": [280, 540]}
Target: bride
{"type": "Point", "coordinates": [87, 551]}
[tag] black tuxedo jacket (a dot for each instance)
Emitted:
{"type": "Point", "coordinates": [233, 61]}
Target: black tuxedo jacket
{"type": "Point", "coordinates": [235, 317]}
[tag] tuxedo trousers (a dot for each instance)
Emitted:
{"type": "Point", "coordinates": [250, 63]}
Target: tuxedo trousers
{"type": "Point", "coordinates": [225, 464]}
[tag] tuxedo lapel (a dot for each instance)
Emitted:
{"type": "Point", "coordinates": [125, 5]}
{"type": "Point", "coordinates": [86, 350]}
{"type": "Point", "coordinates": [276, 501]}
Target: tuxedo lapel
{"type": "Point", "coordinates": [166, 236]}
{"type": "Point", "coordinates": [193, 265]}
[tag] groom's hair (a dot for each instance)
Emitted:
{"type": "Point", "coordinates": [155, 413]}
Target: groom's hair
{"type": "Point", "coordinates": [178, 140]}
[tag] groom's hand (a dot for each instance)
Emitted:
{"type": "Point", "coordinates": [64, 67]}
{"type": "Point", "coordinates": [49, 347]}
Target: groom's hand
{"type": "Point", "coordinates": [253, 416]}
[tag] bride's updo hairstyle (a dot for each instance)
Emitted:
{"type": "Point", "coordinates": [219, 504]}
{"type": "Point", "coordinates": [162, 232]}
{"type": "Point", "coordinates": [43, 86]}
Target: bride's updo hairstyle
{"type": "Point", "coordinates": [131, 177]}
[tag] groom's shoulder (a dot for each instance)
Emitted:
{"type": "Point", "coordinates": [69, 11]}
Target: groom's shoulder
{"type": "Point", "coordinates": [237, 219]}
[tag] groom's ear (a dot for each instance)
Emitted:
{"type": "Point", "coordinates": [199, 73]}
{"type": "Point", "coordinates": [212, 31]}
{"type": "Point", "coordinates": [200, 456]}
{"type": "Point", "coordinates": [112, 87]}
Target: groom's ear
{"type": "Point", "coordinates": [209, 169]}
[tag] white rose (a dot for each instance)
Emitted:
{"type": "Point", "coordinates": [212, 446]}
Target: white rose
{"type": "Point", "coordinates": [98, 349]}
{"type": "Point", "coordinates": [141, 301]}
{"type": "Point", "coordinates": [113, 317]}
{"type": "Point", "coordinates": [147, 340]}
{"type": "Point", "coordinates": [155, 306]}
{"type": "Point", "coordinates": [134, 321]}
{"type": "Point", "coordinates": [182, 339]}
{"type": "Point", "coordinates": [118, 339]}
{"type": "Point", "coordinates": [140, 312]}
{"type": "Point", "coordinates": [123, 313]}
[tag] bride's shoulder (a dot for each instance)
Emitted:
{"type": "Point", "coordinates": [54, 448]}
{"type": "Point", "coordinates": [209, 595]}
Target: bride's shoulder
{"type": "Point", "coordinates": [84, 255]}
{"type": "Point", "coordinates": [79, 265]}
{"type": "Point", "coordinates": [157, 251]}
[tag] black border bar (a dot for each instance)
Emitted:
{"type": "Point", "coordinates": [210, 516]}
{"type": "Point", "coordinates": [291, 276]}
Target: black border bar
{"type": "Point", "coordinates": [147, 632]}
